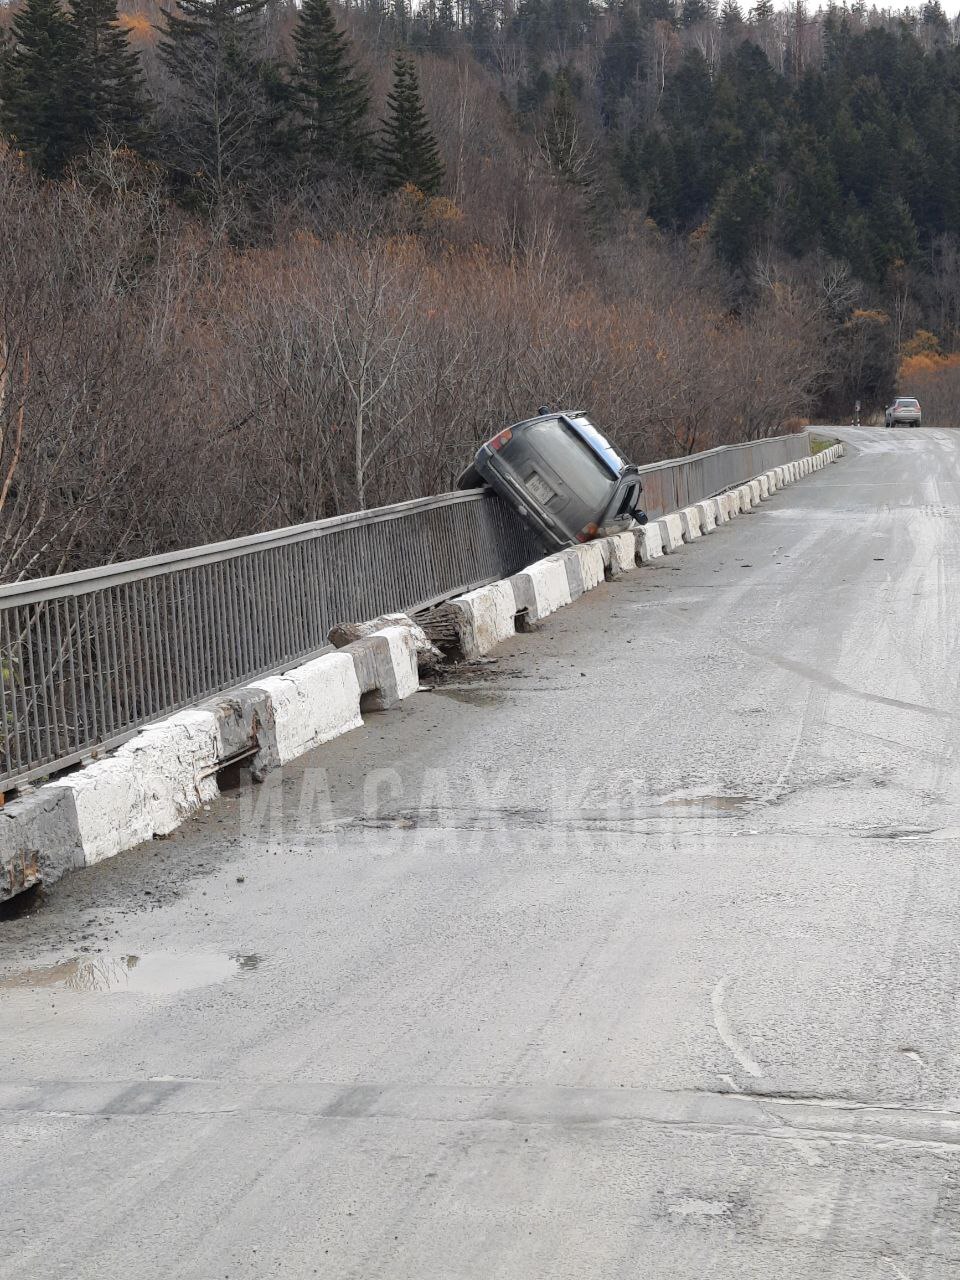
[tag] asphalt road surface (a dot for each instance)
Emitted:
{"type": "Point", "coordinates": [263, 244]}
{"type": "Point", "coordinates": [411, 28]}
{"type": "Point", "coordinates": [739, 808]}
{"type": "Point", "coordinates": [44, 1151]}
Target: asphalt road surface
{"type": "Point", "coordinates": [632, 954]}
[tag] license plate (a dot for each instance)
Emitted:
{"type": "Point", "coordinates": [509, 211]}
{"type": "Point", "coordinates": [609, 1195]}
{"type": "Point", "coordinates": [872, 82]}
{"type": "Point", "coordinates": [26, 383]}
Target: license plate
{"type": "Point", "coordinates": [539, 489]}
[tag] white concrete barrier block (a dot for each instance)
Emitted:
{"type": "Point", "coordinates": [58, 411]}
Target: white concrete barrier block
{"type": "Point", "coordinates": [403, 654]}
{"type": "Point", "coordinates": [671, 532]}
{"type": "Point", "coordinates": [590, 556]}
{"type": "Point", "coordinates": [756, 493]}
{"type": "Point", "coordinates": [148, 786]}
{"type": "Point", "coordinates": [541, 589]}
{"type": "Point", "coordinates": [311, 704]}
{"type": "Point", "coordinates": [773, 483]}
{"type": "Point", "coordinates": [621, 553]}
{"type": "Point", "coordinates": [709, 514]}
{"type": "Point", "coordinates": [725, 511]}
{"type": "Point", "coordinates": [584, 567]}
{"type": "Point", "coordinates": [744, 497]}
{"type": "Point", "coordinates": [649, 542]}
{"type": "Point", "coordinates": [690, 523]}
{"type": "Point", "coordinates": [764, 484]}
{"type": "Point", "coordinates": [488, 618]}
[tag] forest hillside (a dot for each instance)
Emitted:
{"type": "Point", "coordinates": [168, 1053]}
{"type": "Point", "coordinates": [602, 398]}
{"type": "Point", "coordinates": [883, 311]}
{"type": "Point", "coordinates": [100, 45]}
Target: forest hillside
{"type": "Point", "coordinates": [264, 262]}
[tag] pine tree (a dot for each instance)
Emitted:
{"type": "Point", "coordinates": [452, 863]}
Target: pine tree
{"type": "Point", "coordinates": [443, 27]}
{"type": "Point", "coordinates": [331, 97]}
{"type": "Point", "coordinates": [623, 62]}
{"type": "Point", "coordinates": [731, 17]}
{"type": "Point", "coordinates": [408, 150]}
{"type": "Point", "coordinates": [400, 14]}
{"type": "Point", "coordinates": [741, 214]}
{"type": "Point", "coordinates": [39, 110]}
{"type": "Point", "coordinates": [223, 114]}
{"type": "Point", "coordinates": [693, 12]}
{"type": "Point", "coordinates": [762, 13]}
{"type": "Point", "coordinates": [110, 81]}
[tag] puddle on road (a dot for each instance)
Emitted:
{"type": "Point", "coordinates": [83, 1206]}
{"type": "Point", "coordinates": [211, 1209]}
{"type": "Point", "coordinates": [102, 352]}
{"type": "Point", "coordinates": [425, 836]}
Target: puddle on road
{"type": "Point", "coordinates": [702, 802]}
{"type": "Point", "coordinates": [475, 697]}
{"type": "Point", "coordinates": [915, 833]}
{"type": "Point", "coordinates": [154, 973]}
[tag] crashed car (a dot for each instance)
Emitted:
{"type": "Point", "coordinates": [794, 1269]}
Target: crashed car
{"type": "Point", "coordinates": [562, 475]}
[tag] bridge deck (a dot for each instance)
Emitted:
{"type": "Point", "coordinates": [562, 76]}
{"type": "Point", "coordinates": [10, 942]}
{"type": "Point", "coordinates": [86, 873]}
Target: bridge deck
{"type": "Point", "coordinates": [633, 954]}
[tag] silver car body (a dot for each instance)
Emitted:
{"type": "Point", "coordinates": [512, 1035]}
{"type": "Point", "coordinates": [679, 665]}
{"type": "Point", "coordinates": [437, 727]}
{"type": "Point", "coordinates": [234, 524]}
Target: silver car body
{"type": "Point", "coordinates": [904, 412]}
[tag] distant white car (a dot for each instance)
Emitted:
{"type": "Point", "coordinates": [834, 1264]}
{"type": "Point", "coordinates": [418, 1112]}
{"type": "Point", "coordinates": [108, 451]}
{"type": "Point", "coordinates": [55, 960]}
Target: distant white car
{"type": "Point", "coordinates": [904, 412]}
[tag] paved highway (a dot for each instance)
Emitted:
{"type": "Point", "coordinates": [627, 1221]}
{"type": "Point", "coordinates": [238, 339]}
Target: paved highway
{"type": "Point", "coordinates": [633, 954]}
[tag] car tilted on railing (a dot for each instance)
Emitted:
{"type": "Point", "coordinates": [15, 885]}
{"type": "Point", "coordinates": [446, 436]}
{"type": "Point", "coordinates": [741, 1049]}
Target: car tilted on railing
{"type": "Point", "coordinates": [562, 475]}
{"type": "Point", "coordinates": [904, 412]}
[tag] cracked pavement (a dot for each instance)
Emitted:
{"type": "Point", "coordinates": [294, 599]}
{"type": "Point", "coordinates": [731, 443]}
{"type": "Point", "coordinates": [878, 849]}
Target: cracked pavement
{"type": "Point", "coordinates": [631, 954]}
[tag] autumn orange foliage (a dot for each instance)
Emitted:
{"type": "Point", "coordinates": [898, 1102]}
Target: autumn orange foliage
{"type": "Point", "coordinates": [927, 365]}
{"type": "Point", "coordinates": [140, 27]}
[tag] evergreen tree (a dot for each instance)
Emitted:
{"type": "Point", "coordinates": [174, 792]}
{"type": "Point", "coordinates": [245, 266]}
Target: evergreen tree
{"type": "Point", "coordinates": [762, 13]}
{"type": "Point", "coordinates": [652, 11]}
{"type": "Point", "coordinates": [400, 13]}
{"type": "Point", "coordinates": [110, 82]}
{"type": "Point", "coordinates": [693, 12]}
{"type": "Point", "coordinates": [224, 115]}
{"type": "Point", "coordinates": [934, 19]}
{"type": "Point", "coordinates": [662, 179]}
{"type": "Point", "coordinates": [40, 109]}
{"type": "Point", "coordinates": [742, 214]}
{"type": "Point", "coordinates": [731, 17]}
{"type": "Point", "coordinates": [622, 64]}
{"type": "Point", "coordinates": [407, 151]}
{"type": "Point", "coordinates": [331, 97]}
{"type": "Point", "coordinates": [443, 27]}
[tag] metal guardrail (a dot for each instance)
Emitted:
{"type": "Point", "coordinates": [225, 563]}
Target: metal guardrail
{"type": "Point", "coordinates": [88, 658]}
{"type": "Point", "coordinates": [668, 486]}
